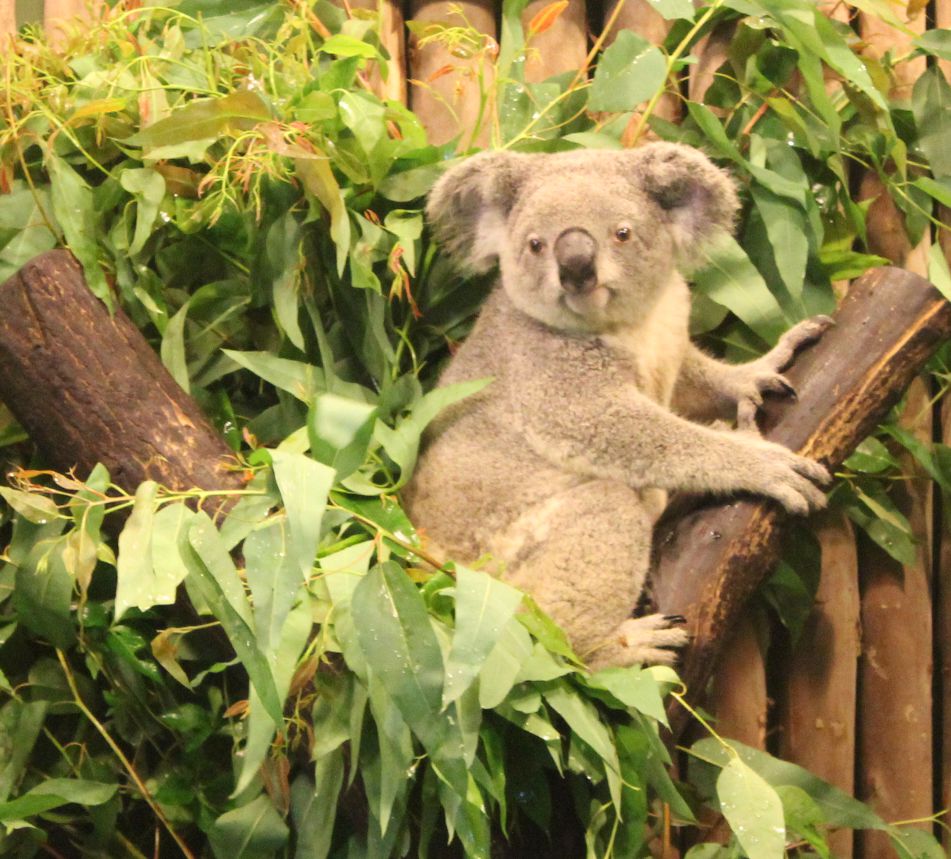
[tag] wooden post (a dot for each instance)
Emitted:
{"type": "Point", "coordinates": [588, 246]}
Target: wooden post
{"type": "Point", "coordinates": [711, 560]}
{"type": "Point", "coordinates": [942, 582]}
{"type": "Point", "coordinates": [88, 388]}
{"type": "Point", "coordinates": [560, 48]}
{"type": "Point", "coordinates": [738, 697]}
{"type": "Point", "coordinates": [445, 88]}
{"type": "Point", "coordinates": [393, 38]}
{"type": "Point", "coordinates": [8, 20]}
{"type": "Point", "coordinates": [818, 703]}
{"type": "Point", "coordinates": [895, 706]}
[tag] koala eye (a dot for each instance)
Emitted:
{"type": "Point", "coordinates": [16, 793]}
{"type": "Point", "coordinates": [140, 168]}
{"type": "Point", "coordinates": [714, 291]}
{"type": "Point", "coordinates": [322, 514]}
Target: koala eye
{"type": "Point", "coordinates": [535, 245]}
{"type": "Point", "coordinates": [623, 233]}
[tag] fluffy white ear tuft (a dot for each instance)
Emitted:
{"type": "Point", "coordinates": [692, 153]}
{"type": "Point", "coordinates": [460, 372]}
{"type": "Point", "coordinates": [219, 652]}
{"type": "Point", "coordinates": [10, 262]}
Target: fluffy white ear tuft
{"type": "Point", "coordinates": [468, 207]}
{"type": "Point", "coordinates": [699, 198]}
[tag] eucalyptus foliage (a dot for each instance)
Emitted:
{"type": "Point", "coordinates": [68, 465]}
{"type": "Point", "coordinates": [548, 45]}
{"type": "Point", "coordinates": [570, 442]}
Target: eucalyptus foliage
{"type": "Point", "coordinates": [226, 173]}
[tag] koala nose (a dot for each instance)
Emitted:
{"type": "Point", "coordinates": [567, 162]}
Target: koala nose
{"type": "Point", "coordinates": [575, 251]}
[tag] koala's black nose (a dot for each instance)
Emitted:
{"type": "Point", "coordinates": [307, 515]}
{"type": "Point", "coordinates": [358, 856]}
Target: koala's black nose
{"type": "Point", "coordinates": [576, 251]}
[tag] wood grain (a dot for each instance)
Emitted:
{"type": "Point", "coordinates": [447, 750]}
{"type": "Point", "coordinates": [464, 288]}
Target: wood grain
{"type": "Point", "coordinates": [710, 560]}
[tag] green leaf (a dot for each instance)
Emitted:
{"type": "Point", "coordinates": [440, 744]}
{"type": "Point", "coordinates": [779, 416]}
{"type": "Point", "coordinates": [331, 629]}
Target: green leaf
{"type": "Point", "coordinates": [341, 45]}
{"type": "Point", "coordinates": [135, 576]}
{"type": "Point", "coordinates": [304, 485]}
{"type": "Point", "coordinates": [283, 252]}
{"type": "Point", "coordinates": [931, 104]}
{"type": "Point", "coordinates": [397, 639]}
{"type": "Point", "coordinates": [938, 272]}
{"type": "Point", "coordinates": [72, 201]}
{"type": "Point", "coordinates": [633, 687]}
{"type": "Point", "coordinates": [753, 810]}
{"type": "Point", "coordinates": [25, 231]}
{"type": "Point", "coordinates": [673, 9]}
{"type": "Point", "coordinates": [630, 71]}
{"type": "Point", "coordinates": [274, 578]}
{"type": "Point", "coordinates": [192, 128]}
{"type": "Point", "coordinates": [402, 444]}
{"type": "Point", "coordinates": [916, 844]}
{"type": "Point", "coordinates": [732, 281]}
{"type": "Point", "coordinates": [503, 664]}
{"type": "Point", "coordinates": [253, 831]}
{"type": "Point", "coordinates": [339, 430]}
{"type": "Point", "coordinates": [53, 793]}
{"type": "Point", "coordinates": [20, 726]}
{"type": "Point", "coordinates": [314, 805]}
{"type": "Point", "coordinates": [583, 719]}
{"type": "Point", "coordinates": [936, 42]}
{"type": "Point", "coordinates": [148, 187]}
{"type": "Point", "coordinates": [212, 573]}
{"type": "Point", "coordinates": [43, 594]}
{"type": "Point", "coordinates": [484, 606]}
{"type": "Point", "coordinates": [871, 457]}
{"type": "Point", "coordinates": [32, 506]}
{"type": "Point", "coordinates": [838, 808]}
{"type": "Point", "coordinates": [318, 179]}
{"type": "Point", "coordinates": [297, 378]}
{"type": "Point", "coordinates": [786, 227]}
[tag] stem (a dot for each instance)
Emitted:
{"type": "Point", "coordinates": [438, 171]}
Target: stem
{"type": "Point", "coordinates": [126, 763]}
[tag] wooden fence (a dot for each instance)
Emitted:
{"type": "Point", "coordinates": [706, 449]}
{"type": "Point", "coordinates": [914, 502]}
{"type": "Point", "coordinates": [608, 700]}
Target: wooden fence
{"type": "Point", "coordinates": [865, 700]}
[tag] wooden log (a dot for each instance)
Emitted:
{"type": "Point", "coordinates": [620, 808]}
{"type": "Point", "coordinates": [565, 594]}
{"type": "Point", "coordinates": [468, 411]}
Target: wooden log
{"type": "Point", "coordinates": [560, 48]}
{"type": "Point", "coordinates": [445, 88]}
{"type": "Point", "coordinates": [710, 561]}
{"type": "Point", "coordinates": [819, 700]}
{"type": "Point", "coordinates": [88, 388]}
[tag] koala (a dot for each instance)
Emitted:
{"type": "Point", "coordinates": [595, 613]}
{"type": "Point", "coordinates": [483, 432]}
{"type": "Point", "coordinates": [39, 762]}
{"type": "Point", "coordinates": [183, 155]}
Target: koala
{"type": "Point", "coordinates": [555, 473]}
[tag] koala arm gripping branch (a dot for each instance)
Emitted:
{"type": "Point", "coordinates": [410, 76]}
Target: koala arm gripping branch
{"type": "Point", "coordinates": [576, 409]}
{"type": "Point", "coordinates": [709, 390]}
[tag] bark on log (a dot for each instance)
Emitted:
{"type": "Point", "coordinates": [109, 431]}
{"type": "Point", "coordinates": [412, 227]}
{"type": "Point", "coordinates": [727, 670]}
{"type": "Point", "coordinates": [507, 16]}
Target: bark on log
{"type": "Point", "coordinates": [88, 388]}
{"type": "Point", "coordinates": [711, 560]}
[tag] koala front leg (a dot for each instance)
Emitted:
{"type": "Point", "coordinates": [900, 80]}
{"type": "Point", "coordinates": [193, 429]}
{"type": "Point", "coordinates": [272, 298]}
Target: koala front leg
{"type": "Point", "coordinates": [583, 555]}
{"type": "Point", "coordinates": [708, 389]}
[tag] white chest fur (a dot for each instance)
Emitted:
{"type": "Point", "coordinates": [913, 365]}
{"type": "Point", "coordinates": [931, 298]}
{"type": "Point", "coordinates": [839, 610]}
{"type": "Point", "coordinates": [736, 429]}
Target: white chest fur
{"type": "Point", "coordinates": [656, 345]}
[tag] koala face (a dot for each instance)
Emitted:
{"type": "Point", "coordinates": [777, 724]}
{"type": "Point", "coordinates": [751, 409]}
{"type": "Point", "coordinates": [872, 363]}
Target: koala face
{"type": "Point", "coordinates": [584, 240]}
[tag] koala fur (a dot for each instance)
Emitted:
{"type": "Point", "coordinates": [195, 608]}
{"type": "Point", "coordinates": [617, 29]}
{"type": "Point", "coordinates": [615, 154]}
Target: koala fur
{"type": "Point", "coordinates": [557, 471]}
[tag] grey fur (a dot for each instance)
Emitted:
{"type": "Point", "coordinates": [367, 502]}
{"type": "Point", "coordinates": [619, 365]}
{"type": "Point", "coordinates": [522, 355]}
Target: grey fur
{"type": "Point", "coordinates": [557, 470]}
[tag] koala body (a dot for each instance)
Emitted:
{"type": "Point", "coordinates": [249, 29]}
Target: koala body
{"type": "Point", "coordinates": [556, 472]}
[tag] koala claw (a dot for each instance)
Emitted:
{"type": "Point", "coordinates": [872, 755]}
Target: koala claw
{"type": "Point", "coordinates": [653, 639]}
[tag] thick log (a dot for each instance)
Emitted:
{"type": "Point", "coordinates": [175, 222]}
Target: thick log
{"type": "Point", "coordinates": [88, 388]}
{"type": "Point", "coordinates": [711, 560]}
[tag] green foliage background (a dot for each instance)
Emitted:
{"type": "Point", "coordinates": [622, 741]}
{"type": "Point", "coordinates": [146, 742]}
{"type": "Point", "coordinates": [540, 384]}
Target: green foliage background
{"type": "Point", "coordinates": [226, 174]}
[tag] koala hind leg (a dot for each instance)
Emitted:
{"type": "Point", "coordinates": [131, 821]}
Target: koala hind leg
{"type": "Point", "coordinates": [583, 555]}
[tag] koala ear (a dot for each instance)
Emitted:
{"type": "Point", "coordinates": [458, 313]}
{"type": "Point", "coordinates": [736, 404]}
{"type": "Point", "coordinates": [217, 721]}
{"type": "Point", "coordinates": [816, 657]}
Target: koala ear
{"type": "Point", "coordinates": [698, 197]}
{"type": "Point", "coordinates": [468, 207]}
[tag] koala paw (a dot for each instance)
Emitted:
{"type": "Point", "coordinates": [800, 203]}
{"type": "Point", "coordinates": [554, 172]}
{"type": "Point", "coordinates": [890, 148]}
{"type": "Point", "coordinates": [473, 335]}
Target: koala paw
{"type": "Point", "coordinates": [655, 639]}
{"type": "Point", "coordinates": [786, 477]}
{"type": "Point", "coordinates": [764, 375]}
